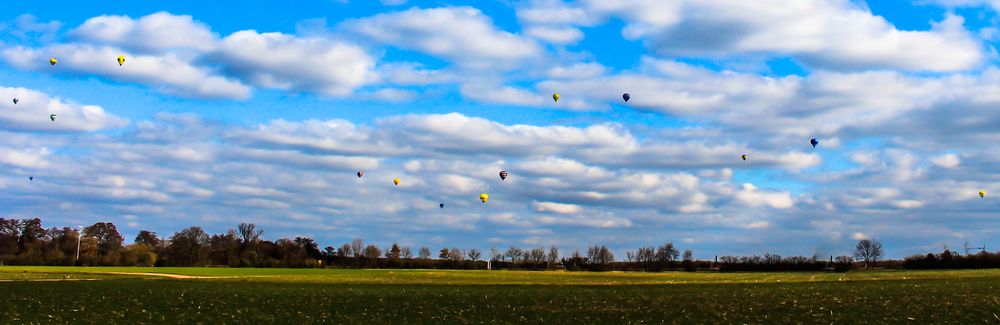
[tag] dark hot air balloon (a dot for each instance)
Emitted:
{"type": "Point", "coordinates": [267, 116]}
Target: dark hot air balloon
{"type": "Point", "coordinates": [814, 142]}
{"type": "Point", "coordinates": [626, 97]}
{"type": "Point", "coordinates": [503, 175]}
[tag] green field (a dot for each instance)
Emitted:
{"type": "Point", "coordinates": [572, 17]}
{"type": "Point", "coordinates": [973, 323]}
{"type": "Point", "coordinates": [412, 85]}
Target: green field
{"type": "Point", "coordinates": [221, 295]}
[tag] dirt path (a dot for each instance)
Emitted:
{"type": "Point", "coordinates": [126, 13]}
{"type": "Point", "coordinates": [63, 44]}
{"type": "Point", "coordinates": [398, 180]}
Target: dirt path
{"type": "Point", "coordinates": [46, 280]}
{"type": "Point", "coordinates": [167, 275]}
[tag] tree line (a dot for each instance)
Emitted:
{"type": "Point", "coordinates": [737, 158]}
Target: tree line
{"type": "Point", "coordinates": [27, 242]}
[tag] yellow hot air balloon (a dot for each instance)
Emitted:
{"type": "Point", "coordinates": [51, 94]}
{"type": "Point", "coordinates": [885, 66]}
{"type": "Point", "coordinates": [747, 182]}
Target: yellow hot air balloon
{"type": "Point", "coordinates": [121, 60]}
{"type": "Point", "coordinates": [484, 197]}
{"type": "Point", "coordinates": [396, 181]}
{"type": "Point", "coordinates": [53, 61]}
{"type": "Point", "coordinates": [982, 193]}
{"type": "Point", "coordinates": [555, 97]}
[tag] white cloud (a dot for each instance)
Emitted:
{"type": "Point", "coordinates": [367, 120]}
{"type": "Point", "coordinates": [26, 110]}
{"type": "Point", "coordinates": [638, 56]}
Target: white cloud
{"type": "Point", "coordinates": [276, 60]}
{"type": "Point", "coordinates": [558, 35]}
{"type": "Point", "coordinates": [757, 224]}
{"type": "Point", "coordinates": [753, 197]}
{"type": "Point", "coordinates": [395, 95]}
{"type": "Point", "coordinates": [406, 73]}
{"type": "Point", "coordinates": [26, 158]}
{"type": "Point", "coordinates": [32, 111]}
{"type": "Point", "coordinates": [168, 72]}
{"type": "Point", "coordinates": [831, 34]}
{"type": "Point", "coordinates": [560, 208]}
{"type": "Point", "coordinates": [159, 32]}
{"type": "Point", "coordinates": [859, 236]}
{"type": "Point", "coordinates": [26, 26]}
{"type": "Point", "coordinates": [947, 160]}
{"type": "Point", "coordinates": [461, 34]}
{"type": "Point", "coordinates": [176, 54]}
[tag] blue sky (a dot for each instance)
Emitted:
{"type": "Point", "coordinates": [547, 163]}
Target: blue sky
{"type": "Point", "coordinates": [256, 111]}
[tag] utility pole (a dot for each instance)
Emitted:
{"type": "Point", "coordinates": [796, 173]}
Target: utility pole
{"type": "Point", "coordinates": [79, 235]}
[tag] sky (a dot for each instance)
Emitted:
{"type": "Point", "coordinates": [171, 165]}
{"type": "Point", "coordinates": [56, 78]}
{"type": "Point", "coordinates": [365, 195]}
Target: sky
{"type": "Point", "coordinates": [257, 111]}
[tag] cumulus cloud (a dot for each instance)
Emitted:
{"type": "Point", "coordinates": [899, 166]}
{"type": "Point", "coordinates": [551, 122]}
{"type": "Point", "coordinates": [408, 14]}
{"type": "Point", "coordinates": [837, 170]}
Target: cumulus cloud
{"type": "Point", "coordinates": [275, 60]}
{"type": "Point", "coordinates": [32, 111]}
{"type": "Point", "coordinates": [155, 33]}
{"type": "Point", "coordinates": [837, 34]}
{"type": "Point", "coordinates": [554, 21]}
{"type": "Point", "coordinates": [554, 207]}
{"type": "Point", "coordinates": [753, 197]}
{"type": "Point", "coordinates": [168, 72]}
{"type": "Point", "coordinates": [463, 35]}
{"type": "Point", "coordinates": [179, 55]}
{"type": "Point", "coordinates": [947, 160]}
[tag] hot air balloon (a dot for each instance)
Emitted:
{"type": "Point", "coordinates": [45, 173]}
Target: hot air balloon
{"type": "Point", "coordinates": [31, 178]}
{"type": "Point", "coordinates": [503, 175]}
{"type": "Point", "coordinates": [52, 117]}
{"type": "Point", "coordinates": [982, 193]}
{"type": "Point", "coordinates": [121, 60]}
{"type": "Point", "coordinates": [744, 157]}
{"type": "Point", "coordinates": [814, 142]}
{"type": "Point", "coordinates": [626, 97]}
{"type": "Point", "coordinates": [361, 173]}
{"type": "Point", "coordinates": [53, 61]}
{"type": "Point", "coordinates": [396, 181]}
{"type": "Point", "coordinates": [484, 197]}
{"type": "Point", "coordinates": [15, 101]}
{"type": "Point", "coordinates": [441, 205]}
{"type": "Point", "coordinates": [555, 97]}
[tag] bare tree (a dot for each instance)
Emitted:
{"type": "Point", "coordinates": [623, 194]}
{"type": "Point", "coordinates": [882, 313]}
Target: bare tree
{"type": "Point", "coordinates": [357, 247]}
{"type": "Point", "coordinates": [600, 255]}
{"type": "Point", "coordinates": [406, 253]}
{"type": "Point", "coordinates": [553, 256]}
{"type": "Point", "coordinates": [474, 255]}
{"type": "Point", "coordinates": [345, 250]}
{"type": "Point", "coordinates": [425, 253]}
{"type": "Point", "coordinates": [456, 254]}
{"type": "Point", "coordinates": [514, 254]}
{"type": "Point", "coordinates": [535, 255]}
{"type": "Point", "coordinates": [394, 252]}
{"type": "Point", "coordinates": [372, 252]}
{"type": "Point", "coordinates": [667, 254]}
{"type": "Point", "coordinates": [868, 250]}
{"type": "Point", "coordinates": [249, 234]}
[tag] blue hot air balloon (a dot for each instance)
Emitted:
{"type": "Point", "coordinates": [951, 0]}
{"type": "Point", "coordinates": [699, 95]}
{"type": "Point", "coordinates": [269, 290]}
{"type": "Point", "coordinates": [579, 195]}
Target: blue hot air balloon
{"type": "Point", "coordinates": [441, 205]}
{"type": "Point", "coordinates": [626, 97]}
{"type": "Point", "coordinates": [814, 142]}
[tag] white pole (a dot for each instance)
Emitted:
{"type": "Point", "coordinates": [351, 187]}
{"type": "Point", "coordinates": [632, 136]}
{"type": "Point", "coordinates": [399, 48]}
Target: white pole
{"type": "Point", "coordinates": [79, 235]}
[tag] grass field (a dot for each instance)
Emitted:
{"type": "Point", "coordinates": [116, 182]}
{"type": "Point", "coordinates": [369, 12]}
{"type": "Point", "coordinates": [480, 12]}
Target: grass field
{"type": "Point", "coordinates": [220, 295]}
